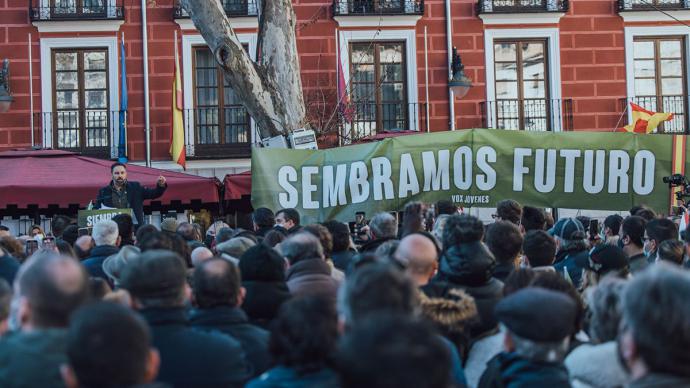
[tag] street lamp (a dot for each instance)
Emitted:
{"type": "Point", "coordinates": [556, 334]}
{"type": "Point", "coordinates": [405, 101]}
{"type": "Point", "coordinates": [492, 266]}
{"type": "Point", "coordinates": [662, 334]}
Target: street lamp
{"type": "Point", "coordinates": [5, 96]}
{"type": "Point", "coordinates": [460, 84]}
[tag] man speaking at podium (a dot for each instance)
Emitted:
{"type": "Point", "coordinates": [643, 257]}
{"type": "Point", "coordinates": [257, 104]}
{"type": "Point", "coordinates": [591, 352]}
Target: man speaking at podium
{"type": "Point", "coordinates": [122, 194]}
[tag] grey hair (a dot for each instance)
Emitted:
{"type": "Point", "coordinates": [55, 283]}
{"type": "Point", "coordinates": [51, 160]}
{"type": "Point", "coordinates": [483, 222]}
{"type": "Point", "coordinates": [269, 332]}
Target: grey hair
{"type": "Point", "coordinates": [604, 308]}
{"type": "Point", "coordinates": [105, 233]}
{"type": "Point", "coordinates": [301, 246]}
{"type": "Point", "coordinates": [553, 351]}
{"type": "Point", "coordinates": [384, 225]}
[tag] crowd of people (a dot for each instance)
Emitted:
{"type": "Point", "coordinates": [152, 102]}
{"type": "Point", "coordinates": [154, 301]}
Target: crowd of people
{"type": "Point", "coordinates": [437, 299]}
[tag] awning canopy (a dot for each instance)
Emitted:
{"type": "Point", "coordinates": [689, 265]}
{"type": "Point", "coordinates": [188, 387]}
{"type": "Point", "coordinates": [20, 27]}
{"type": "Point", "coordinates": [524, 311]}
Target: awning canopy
{"type": "Point", "coordinates": [49, 178]}
{"type": "Point", "coordinates": [237, 185]}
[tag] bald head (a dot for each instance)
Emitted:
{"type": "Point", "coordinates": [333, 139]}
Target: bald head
{"type": "Point", "coordinates": [420, 256]}
{"type": "Point", "coordinates": [216, 282]}
{"type": "Point", "coordinates": [201, 254]}
{"type": "Point", "coordinates": [51, 287]}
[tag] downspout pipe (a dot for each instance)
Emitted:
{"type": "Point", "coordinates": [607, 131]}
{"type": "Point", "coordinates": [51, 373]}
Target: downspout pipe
{"type": "Point", "coordinates": [449, 49]}
{"type": "Point", "coordinates": [147, 108]}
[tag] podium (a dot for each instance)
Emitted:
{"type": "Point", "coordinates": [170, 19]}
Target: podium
{"type": "Point", "coordinates": [88, 218]}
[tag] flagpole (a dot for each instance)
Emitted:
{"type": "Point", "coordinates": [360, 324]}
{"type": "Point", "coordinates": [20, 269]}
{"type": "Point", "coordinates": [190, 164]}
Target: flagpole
{"type": "Point", "coordinates": [125, 113]}
{"type": "Point", "coordinates": [337, 81]}
{"type": "Point", "coordinates": [621, 118]}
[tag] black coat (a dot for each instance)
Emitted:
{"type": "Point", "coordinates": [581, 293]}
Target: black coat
{"type": "Point", "coordinates": [341, 260]}
{"type": "Point", "coordinates": [234, 322]}
{"type": "Point", "coordinates": [94, 263]}
{"type": "Point", "coordinates": [136, 194]}
{"type": "Point", "coordinates": [263, 299]}
{"type": "Point", "coordinates": [191, 357]}
{"type": "Point", "coordinates": [470, 268]}
{"type": "Point", "coordinates": [508, 370]}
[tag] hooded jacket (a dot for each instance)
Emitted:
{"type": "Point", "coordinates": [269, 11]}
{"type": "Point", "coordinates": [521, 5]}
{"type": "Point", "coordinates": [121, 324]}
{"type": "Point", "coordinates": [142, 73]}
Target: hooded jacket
{"type": "Point", "coordinates": [470, 267]}
{"type": "Point", "coordinates": [452, 314]}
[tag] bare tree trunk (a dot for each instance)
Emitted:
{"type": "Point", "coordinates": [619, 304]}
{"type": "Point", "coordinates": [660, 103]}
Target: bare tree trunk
{"type": "Point", "coordinates": [272, 90]}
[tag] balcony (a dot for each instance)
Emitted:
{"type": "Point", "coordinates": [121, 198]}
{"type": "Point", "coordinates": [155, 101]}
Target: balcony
{"type": "Point", "coordinates": [89, 132]}
{"type": "Point", "coordinates": [652, 5]}
{"type": "Point", "coordinates": [521, 6]}
{"type": "Point", "coordinates": [669, 104]}
{"type": "Point", "coordinates": [233, 8]}
{"type": "Point", "coordinates": [367, 119]}
{"type": "Point", "coordinates": [377, 7]}
{"type": "Point", "coordinates": [528, 114]}
{"type": "Point", "coordinates": [219, 132]}
{"type": "Point", "coordinates": [70, 10]}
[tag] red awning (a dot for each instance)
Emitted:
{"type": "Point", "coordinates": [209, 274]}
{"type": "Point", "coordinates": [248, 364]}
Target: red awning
{"type": "Point", "coordinates": [237, 185]}
{"type": "Point", "coordinates": [59, 178]}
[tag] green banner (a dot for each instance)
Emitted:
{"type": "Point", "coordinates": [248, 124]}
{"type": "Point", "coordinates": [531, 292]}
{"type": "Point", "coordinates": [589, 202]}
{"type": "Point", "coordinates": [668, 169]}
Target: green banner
{"type": "Point", "coordinates": [472, 168]}
{"type": "Point", "coordinates": [89, 218]}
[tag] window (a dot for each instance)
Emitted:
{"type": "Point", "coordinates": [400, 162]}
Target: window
{"type": "Point", "coordinates": [220, 118]}
{"type": "Point", "coordinates": [521, 85]}
{"type": "Point", "coordinates": [660, 78]}
{"type": "Point", "coordinates": [378, 85]}
{"type": "Point", "coordinates": [80, 99]}
{"type": "Point", "coordinates": [84, 8]}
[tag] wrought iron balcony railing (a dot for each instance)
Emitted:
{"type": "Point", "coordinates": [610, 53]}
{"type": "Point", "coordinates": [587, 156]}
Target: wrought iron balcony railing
{"type": "Point", "coordinates": [377, 7]}
{"type": "Point", "coordinates": [363, 119]}
{"type": "Point", "coordinates": [219, 132]}
{"type": "Point", "coordinates": [652, 5]}
{"type": "Point", "coordinates": [521, 6]}
{"type": "Point", "coordinates": [537, 114]}
{"type": "Point", "coordinates": [90, 132]}
{"type": "Point", "coordinates": [677, 105]}
{"type": "Point", "coordinates": [57, 10]}
{"type": "Point", "coordinates": [233, 8]}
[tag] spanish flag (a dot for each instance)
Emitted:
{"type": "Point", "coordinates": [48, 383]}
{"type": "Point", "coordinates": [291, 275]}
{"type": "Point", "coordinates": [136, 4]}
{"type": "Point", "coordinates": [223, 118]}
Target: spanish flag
{"type": "Point", "coordinates": [644, 121]}
{"type": "Point", "coordinates": [177, 149]}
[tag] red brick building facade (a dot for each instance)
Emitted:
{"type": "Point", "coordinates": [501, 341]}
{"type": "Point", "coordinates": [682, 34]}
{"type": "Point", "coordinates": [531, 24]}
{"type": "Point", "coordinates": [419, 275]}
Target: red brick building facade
{"type": "Point", "coordinates": [535, 65]}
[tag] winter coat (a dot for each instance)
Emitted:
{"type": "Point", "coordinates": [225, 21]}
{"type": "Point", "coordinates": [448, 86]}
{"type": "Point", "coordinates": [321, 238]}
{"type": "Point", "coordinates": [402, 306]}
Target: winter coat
{"type": "Point", "coordinates": [512, 371]}
{"type": "Point", "coordinates": [593, 366]}
{"type": "Point", "coordinates": [33, 359]}
{"type": "Point", "coordinates": [9, 266]}
{"type": "Point", "coordinates": [481, 352]}
{"type": "Point", "coordinates": [136, 194]}
{"type": "Point", "coordinates": [263, 299]}
{"type": "Point", "coordinates": [658, 380]}
{"type": "Point", "coordinates": [451, 314]}
{"type": "Point", "coordinates": [94, 263]}
{"type": "Point", "coordinates": [373, 245]}
{"type": "Point", "coordinates": [234, 322]}
{"type": "Point", "coordinates": [312, 277]}
{"type": "Point", "coordinates": [341, 260]}
{"type": "Point", "coordinates": [192, 357]}
{"type": "Point", "coordinates": [638, 263]}
{"type": "Point", "coordinates": [470, 268]}
{"type": "Point", "coordinates": [573, 263]}
{"type": "Point", "coordinates": [284, 377]}
{"type": "Point", "coordinates": [502, 271]}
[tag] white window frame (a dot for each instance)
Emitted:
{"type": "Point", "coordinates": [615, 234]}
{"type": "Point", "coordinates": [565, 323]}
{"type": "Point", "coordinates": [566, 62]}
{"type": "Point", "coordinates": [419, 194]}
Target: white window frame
{"type": "Point", "coordinates": [553, 62]}
{"type": "Point", "coordinates": [188, 43]}
{"type": "Point", "coordinates": [47, 46]}
{"type": "Point", "coordinates": [409, 37]}
{"type": "Point", "coordinates": [630, 34]}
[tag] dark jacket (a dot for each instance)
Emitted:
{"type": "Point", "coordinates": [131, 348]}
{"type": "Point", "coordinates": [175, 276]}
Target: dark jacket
{"type": "Point", "coordinates": [512, 371]}
{"type": "Point", "coordinates": [136, 194]}
{"type": "Point", "coordinates": [284, 377]}
{"type": "Point", "coordinates": [373, 245]}
{"type": "Point", "coordinates": [342, 259]}
{"type": "Point", "coordinates": [312, 277]}
{"type": "Point", "coordinates": [192, 357]}
{"type": "Point", "coordinates": [573, 262]}
{"type": "Point", "coordinates": [8, 268]}
{"type": "Point", "coordinates": [262, 232]}
{"type": "Point", "coordinates": [470, 268]}
{"type": "Point", "coordinates": [638, 263]}
{"type": "Point", "coordinates": [94, 263]}
{"type": "Point", "coordinates": [657, 380]}
{"type": "Point", "coordinates": [234, 322]}
{"type": "Point", "coordinates": [33, 359]}
{"type": "Point", "coordinates": [503, 270]}
{"type": "Point", "coordinates": [263, 299]}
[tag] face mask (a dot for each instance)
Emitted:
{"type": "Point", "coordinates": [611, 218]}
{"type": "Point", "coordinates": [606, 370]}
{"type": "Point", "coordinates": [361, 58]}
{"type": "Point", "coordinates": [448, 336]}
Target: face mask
{"type": "Point", "coordinates": [647, 251]}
